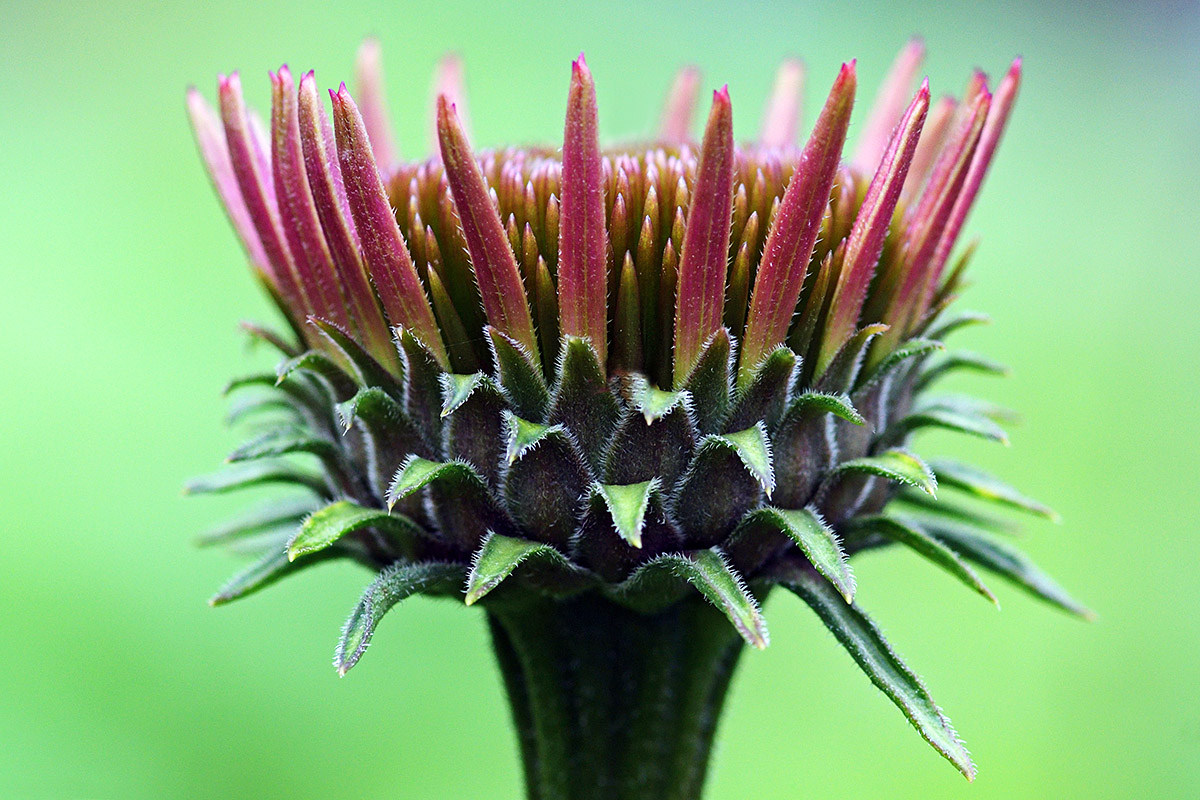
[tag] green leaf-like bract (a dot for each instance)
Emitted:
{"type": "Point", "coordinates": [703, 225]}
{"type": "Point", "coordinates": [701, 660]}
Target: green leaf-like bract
{"type": "Point", "coordinates": [325, 527]}
{"type": "Point", "coordinates": [497, 559]}
{"type": "Point", "coordinates": [867, 646]}
{"type": "Point", "coordinates": [913, 348]}
{"type": "Point", "coordinates": [815, 539]}
{"type": "Point", "coordinates": [343, 385]}
{"type": "Point", "coordinates": [256, 473]}
{"type": "Point", "coordinates": [390, 587]}
{"type": "Point", "coordinates": [270, 567]}
{"type": "Point", "coordinates": [911, 535]}
{"type": "Point", "coordinates": [1006, 561]}
{"type": "Point", "coordinates": [896, 465]}
{"type": "Point", "coordinates": [711, 575]}
{"type": "Point", "coordinates": [980, 484]}
{"type": "Point", "coordinates": [627, 505]}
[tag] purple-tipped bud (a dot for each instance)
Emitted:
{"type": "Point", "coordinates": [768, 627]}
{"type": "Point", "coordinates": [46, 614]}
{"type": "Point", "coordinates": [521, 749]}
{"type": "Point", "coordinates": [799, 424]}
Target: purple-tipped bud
{"type": "Point", "coordinates": [975, 87]}
{"type": "Point", "coordinates": [889, 106]}
{"type": "Point", "coordinates": [870, 229]}
{"type": "Point", "coordinates": [583, 240]}
{"type": "Point", "coordinates": [298, 214]}
{"type": "Point", "coordinates": [781, 119]}
{"type": "Point", "coordinates": [251, 167]}
{"type": "Point", "coordinates": [929, 219]}
{"type": "Point", "coordinates": [492, 260]}
{"type": "Point", "coordinates": [333, 208]}
{"type": "Point", "coordinates": [449, 82]}
{"type": "Point", "coordinates": [210, 139]}
{"type": "Point", "coordinates": [933, 137]}
{"type": "Point", "coordinates": [704, 260]}
{"type": "Point", "coordinates": [680, 106]}
{"type": "Point", "coordinates": [997, 119]}
{"type": "Point", "coordinates": [372, 103]}
{"type": "Point", "coordinates": [384, 250]}
{"type": "Point", "coordinates": [794, 233]}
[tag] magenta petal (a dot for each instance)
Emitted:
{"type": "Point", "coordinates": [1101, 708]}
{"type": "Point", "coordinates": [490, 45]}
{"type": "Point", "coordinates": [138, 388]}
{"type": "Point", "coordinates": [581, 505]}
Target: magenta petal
{"type": "Point", "coordinates": [975, 87]}
{"type": "Point", "coordinates": [794, 232]}
{"type": "Point", "coordinates": [889, 106]}
{"type": "Point", "coordinates": [993, 130]}
{"type": "Point", "coordinates": [449, 82]}
{"type": "Point", "coordinates": [331, 158]}
{"type": "Point", "coordinates": [865, 242]}
{"type": "Point", "coordinates": [705, 257]}
{"type": "Point", "coordinates": [210, 139]}
{"type": "Point", "coordinates": [373, 103]}
{"type": "Point", "coordinates": [680, 106]}
{"type": "Point", "coordinates": [384, 250]}
{"type": "Point", "coordinates": [928, 220]}
{"type": "Point", "coordinates": [583, 240]}
{"type": "Point", "coordinates": [933, 137]}
{"type": "Point", "coordinates": [297, 213]}
{"type": "Point", "coordinates": [333, 210]}
{"type": "Point", "coordinates": [495, 267]}
{"type": "Point", "coordinates": [782, 116]}
{"type": "Point", "coordinates": [248, 160]}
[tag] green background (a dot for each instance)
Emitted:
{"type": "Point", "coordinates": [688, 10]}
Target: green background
{"type": "Point", "coordinates": [121, 285]}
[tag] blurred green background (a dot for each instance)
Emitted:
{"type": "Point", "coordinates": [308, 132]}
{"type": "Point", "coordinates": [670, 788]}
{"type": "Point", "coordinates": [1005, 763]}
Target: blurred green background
{"type": "Point", "coordinates": [122, 285]}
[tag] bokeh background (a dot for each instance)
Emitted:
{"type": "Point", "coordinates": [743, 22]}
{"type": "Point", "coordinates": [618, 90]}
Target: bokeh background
{"type": "Point", "coordinates": [121, 286]}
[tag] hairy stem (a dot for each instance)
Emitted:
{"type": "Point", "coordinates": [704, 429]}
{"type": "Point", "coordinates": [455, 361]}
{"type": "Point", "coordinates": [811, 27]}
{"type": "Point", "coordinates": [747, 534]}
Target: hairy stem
{"type": "Point", "coordinates": [609, 703]}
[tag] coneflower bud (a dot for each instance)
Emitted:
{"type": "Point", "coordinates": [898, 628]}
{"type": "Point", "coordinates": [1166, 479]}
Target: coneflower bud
{"type": "Point", "coordinates": [615, 397]}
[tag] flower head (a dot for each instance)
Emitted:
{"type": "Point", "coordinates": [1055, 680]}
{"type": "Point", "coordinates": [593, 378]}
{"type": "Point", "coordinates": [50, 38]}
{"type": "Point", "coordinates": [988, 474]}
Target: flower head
{"type": "Point", "coordinates": [679, 367]}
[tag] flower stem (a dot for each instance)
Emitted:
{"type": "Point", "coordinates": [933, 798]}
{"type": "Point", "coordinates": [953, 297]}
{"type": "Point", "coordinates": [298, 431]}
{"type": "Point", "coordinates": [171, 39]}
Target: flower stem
{"type": "Point", "coordinates": [609, 703]}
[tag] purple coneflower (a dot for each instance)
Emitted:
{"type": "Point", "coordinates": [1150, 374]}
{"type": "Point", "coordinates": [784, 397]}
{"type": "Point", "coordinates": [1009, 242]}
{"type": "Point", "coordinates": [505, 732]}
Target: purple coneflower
{"type": "Point", "coordinates": [616, 396]}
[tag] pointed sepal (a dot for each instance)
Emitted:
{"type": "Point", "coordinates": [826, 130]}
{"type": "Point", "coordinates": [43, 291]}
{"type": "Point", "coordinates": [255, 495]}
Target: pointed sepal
{"type": "Point", "coordinates": [870, 229]}
{"type": "Point", "coordinates": [383, 247]}
{"type": "Point", "coordinates": [581, 402]}
{"type": "Point", "coordinates": [628, 505]}
{"type": "Point", "coordinates": [711, 574]}
{"type": "Point", "coordinates": [865, 643]}
{"type": "Point", "coordinates": [815, 539]}
{"type": "Point", "coordinates": [498, 557]}
{"type": "Point", "coordinates": [519, 375]}
{"type": "Point", "coordinates": [492, 259]}
{"type": "Point", "coordinates": [394, 584]}
{"type": "Point", "coordinates": [913, 536]}
{"type": "Point", "coordinates": [583, 238]}
{"type": "Point", "coordinates": [980, 484]}
{"type": "Point", "coordinates": [1006, 561]}
{"type": "Point", "coordinates": [896, 465]}
{"type": "Point", "coordinates": [793, 233]}
{"type": "Point", "coordinates": [324, 528]}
